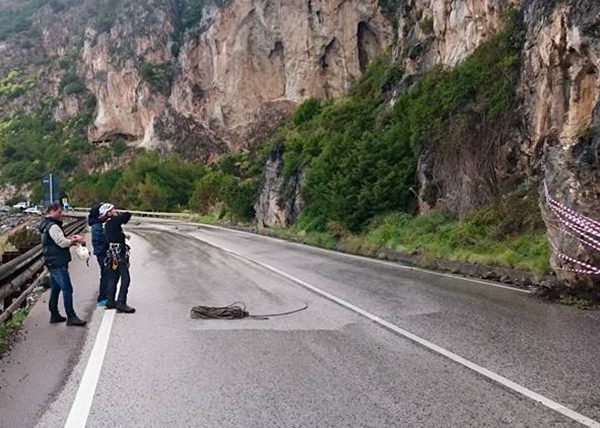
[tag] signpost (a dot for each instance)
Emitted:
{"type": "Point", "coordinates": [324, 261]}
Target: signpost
{"type": "Point", "coordinates": [51, 189]}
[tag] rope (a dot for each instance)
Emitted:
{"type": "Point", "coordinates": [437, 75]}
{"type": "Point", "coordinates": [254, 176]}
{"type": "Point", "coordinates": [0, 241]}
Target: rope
{"type": "Point", "coordinates": [236, 310]}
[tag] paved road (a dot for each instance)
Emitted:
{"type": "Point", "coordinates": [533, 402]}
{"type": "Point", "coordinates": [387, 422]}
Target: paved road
{"type": "Point", "coordinates": [326, 366]}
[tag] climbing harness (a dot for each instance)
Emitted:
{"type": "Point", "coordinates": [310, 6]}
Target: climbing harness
{"type": "Point", "coordinates": [236, 310]}
{"type": "Point", "coordinates": [116, 254]}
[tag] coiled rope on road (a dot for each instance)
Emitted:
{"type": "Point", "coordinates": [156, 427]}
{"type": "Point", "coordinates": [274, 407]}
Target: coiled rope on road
{"type": "Point", "coordinates": [236, 310]}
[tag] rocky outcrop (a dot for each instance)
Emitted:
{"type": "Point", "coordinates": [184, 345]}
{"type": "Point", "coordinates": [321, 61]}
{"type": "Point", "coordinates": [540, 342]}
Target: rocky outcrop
{"type": "Point", "coordinates": [280, 201]}
{"type": "Point", "coordinates": [125, 68]}
{"type": "Point", "coordinates": [434, 32]}
{"type": "Point", "coordinates": [237, 75]}
{"type": "Point", "coordinates": [561, 84]}
{"type": "Point", "coordinates": [268, 55]}
{"type": "Point", "coordinates": [485, 164]}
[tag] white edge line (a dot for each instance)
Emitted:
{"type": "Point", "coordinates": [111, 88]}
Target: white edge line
{"type": "Point", "coordinates": [370, 259]}
{"type": "Point", "coordinates": [82, 404]}
{"type": "Point", "coordinates": [572, 414]}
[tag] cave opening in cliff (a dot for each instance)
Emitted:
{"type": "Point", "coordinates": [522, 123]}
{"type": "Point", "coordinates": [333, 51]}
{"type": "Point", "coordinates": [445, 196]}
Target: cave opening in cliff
{"type": "Point", "coordinates": [111, 138]}
{"type": "Point", "coordinates": [368, 45]}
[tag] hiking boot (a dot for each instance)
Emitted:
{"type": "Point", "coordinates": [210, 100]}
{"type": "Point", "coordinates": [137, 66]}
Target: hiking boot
{"type": "Point", "coordinates": [76, 322]}
{"type": "Point", "coordinates": [124, 309]}
{"type": "Point", "coordinates": [56, 318]}
{"type": "Point", "coordinates": [111, 305]}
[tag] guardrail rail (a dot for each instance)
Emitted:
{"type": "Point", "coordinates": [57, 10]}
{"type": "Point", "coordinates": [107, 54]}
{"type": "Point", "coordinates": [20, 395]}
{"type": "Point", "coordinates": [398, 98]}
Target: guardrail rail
{"type": "Point", "coordinates": [179, 216]}
{"type": "Point", "coordinates": [15, 275]}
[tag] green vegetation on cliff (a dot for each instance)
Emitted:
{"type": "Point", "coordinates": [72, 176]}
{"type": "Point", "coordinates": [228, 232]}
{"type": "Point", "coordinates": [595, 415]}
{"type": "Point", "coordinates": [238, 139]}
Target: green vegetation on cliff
{"type": "Point", "coordinates": [359, 157]}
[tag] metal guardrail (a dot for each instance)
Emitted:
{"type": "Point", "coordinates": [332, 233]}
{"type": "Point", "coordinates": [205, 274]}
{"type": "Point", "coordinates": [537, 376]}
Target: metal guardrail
{"type": "Point", "coordinates": [80, 211]}
{"type": "Point", "coordinates": [15, 275]}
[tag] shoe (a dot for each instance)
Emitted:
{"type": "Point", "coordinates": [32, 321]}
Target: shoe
{"type": "Point", "coordinates": [110, 305]}
{"type": "Point", "coordinates": [76, 322]}
{"type": "Point", "coordinates": [56, 318]}
{"type": "Point", "coordinates": [124, 309]}
{"type": "Point", "coordinates": [102, 303]}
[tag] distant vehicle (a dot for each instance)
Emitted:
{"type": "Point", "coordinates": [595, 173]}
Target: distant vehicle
{"type": "Point", "coordinates": [33, 210]}
{"type": "Point", "coordinates": [21, 205]}
{"type": "Point", "coordinates": [4, 208]}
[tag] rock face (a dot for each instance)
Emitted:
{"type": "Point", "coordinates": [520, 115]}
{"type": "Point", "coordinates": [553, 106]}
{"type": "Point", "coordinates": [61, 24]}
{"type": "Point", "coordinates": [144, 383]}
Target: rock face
{"type": "Point", "coordinates": [237, 74]}
{"type": "Point", "coordinates": [112, 63]}
{"type": "Point", "coordinates": [560, 89]}
{"type": "Point", "coordinates": [445, 31]}
{"type": "Point", "coordinates": [258, 59]}
{"type": "Point", "coordinates": [561, 80]}
{"type": "Point", "coordinates": [558, 138]}
{"type": "Point", "coordinates": [280, 201]}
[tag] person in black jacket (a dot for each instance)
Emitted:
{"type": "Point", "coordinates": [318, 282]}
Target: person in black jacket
{"type": "Point", "coordinates": [100, 246]}
{"type": "Point", "coordinates": [56, 258]}
{"type": "Point", "coordinates": [117, 259]}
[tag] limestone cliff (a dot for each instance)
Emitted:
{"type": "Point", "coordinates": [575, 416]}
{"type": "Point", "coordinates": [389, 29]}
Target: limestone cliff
{"type": "Point", "coordinates": [256, 60]}
{"type": "Point", "coordinates": [559, 91]}
{"type": "Point", "coordinates": [235, 74]}
{"type": "Point", "coordinates": [112, 64]}
{"type": "Point", "coordinates": [561, 86]}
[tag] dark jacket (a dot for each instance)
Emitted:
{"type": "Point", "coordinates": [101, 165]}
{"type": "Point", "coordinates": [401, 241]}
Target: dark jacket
{"type": "Point", "coordinates": [99, 242]}
{"type": "Point", "coordinates": [114, 230]}
{"type": "Point", "coordinates": [54, 256]}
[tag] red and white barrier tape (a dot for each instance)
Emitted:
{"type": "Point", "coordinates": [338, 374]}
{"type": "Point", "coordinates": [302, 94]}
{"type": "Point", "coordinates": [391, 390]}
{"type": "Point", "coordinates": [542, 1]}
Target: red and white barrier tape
{"type": "Point", "coordinates": [585, 230]}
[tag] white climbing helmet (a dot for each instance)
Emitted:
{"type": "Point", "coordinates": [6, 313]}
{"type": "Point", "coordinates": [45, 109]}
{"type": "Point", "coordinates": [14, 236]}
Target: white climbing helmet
{"type": "Point", "coordinates": [104, 208]}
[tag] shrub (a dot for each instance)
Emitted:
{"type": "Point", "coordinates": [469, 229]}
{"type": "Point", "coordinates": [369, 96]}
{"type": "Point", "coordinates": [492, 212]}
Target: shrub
{"type": "Point", "coordinates": [306, 111]}
{"type": "Point", "coordinates": [158, 75]}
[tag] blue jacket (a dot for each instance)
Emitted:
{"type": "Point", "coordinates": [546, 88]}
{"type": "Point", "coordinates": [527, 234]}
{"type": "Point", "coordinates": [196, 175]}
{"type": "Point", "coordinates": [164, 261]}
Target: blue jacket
{"type": "Point", "coordinates": [99, 242]}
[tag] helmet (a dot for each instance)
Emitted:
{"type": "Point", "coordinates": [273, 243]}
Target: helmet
{"type": "Point", "coordinates": [104, 208]}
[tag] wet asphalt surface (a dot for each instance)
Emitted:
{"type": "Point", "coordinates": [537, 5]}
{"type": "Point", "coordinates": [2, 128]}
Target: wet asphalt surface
{"type": "Point", "coordinates": [325, 366]}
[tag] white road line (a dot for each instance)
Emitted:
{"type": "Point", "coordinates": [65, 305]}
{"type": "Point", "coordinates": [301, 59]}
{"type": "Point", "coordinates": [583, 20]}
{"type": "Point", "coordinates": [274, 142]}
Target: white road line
{"type": "Point", "coordinates": [372, 260]}
{"type": "Point", "coordinates": [572, 414]}
{"type": "Point", "coordinates": [85, 394]}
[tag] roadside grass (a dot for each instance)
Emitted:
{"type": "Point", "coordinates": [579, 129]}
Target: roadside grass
{"type": "Point", "coordinates": [10, 327]}
{"type": "Point", "coordinates": [438, 236]}
{"type": "Point", "coordinates": [508, 233]}
{"type": "Point", "coordinates": [205, 219]}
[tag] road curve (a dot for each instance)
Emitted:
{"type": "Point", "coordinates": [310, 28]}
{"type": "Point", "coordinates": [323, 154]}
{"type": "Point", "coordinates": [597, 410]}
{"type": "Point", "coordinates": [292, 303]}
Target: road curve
{"type": "Point", "coordinates": [327, 365]}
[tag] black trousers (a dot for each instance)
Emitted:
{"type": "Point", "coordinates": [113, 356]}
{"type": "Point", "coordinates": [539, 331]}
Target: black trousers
{"type": "Point", "coordinates": [113, 276]}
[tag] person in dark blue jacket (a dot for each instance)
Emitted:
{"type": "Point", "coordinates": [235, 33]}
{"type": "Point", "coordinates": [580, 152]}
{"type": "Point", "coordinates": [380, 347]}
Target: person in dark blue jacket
{"type": "Point", "coordinates": [100, 245]}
